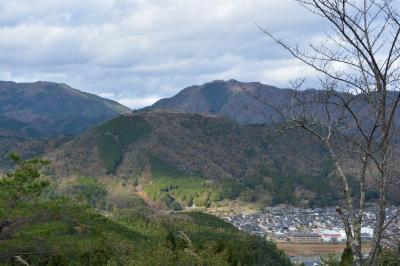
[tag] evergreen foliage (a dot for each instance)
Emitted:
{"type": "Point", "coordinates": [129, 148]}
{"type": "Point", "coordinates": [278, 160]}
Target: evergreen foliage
{"type": "Point", "coordinates": [39, 230]}
{"type": "Point", "coordinates": [88, 190]}
{"type": "Point", "coordinates": [389, 257]}
{"type": "Point", "coordinates": [173, 187]}
{"type": "Point", "coordinates": [347, 258]}
{"type": "Point", "coordinates": [115, 135]}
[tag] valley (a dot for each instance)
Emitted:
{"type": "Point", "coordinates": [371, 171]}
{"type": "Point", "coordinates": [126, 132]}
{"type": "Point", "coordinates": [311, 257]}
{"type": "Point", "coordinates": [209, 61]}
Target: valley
{"type": "Point", "coordinates": [156, 171]}
{"type": "Point", "coordinates": [200, 133]}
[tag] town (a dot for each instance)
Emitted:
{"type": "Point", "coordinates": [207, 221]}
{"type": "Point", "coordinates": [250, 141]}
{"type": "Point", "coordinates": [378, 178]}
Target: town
{"type": "Point", "coordinates": [281, 224]}
{"type": "Point", "coordinates": [297, 226]}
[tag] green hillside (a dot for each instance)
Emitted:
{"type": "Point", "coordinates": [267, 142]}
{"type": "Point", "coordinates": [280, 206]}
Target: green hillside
{"type": "Point", "coordinates": [115, 135]}
{"type": "Point", "coordinates": [179, 160]}
{"type": "Point", "coordinates": [42, 224]}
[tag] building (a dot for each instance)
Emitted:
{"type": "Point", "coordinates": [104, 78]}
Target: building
{"type": "Point", "coordinates": [304, 237]}
{"type": "Point", "coordinates": [333, 235]}
{"type": "Point", "coordinates": [330, 237]}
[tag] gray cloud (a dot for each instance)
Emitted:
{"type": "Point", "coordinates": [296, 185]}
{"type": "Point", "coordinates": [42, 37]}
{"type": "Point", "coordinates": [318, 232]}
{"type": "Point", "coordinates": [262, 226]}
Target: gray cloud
{"type": "Point", "coordinates": [137, 51]}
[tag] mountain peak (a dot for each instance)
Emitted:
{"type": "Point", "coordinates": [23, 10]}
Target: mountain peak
{"type": "Point", "coordinates": [227, 98]}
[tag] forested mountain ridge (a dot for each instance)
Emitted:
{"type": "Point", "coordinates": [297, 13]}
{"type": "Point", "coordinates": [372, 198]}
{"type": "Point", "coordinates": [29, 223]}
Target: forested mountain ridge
{"type": "Point", "coordinates": [172, 154]}
{"type": "Point", "coordinates": [169, 160]}
{"type": "Point", "coordinates": [255, 162]}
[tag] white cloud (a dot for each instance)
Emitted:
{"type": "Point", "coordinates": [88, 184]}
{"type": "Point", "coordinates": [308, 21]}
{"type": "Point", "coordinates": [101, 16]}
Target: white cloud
{"type": "Point", "coordinates": [135, 103]}
{"type": "Point", "coordinates": [136, 51]}
{"type": "Point", "coordinates": [109, 95]}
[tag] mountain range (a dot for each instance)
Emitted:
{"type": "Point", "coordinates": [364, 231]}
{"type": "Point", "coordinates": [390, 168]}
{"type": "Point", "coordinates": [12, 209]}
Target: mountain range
{"type": "Point", "coordinates": [113, 173]}
{"type": "Point", "coordinates": [205, 141]}
{"type": "Point", "coordinates": [240, 101]}
{"type": "Point", "coordinates": [161, 148]}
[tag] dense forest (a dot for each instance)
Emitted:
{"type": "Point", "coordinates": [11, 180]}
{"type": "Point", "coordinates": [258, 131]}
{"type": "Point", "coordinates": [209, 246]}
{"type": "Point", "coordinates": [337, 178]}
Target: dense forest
{"type": "Point", "coordinates": [181, 160]}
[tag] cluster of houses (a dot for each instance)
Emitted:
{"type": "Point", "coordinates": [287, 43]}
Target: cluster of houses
{"type": "Point", "coordinates": [306, 225]}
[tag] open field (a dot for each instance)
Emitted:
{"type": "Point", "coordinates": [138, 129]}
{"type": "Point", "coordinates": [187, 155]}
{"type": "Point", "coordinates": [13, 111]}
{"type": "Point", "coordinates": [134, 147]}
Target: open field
{"type": "Point", "coordinates": [315, 249]}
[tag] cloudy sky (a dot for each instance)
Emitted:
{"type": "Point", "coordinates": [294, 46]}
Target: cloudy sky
{"type": "Point", "coordinates": [137, 51]}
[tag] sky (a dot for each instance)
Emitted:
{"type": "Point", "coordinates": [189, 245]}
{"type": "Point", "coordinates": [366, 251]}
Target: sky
{"type": "Point", "coordinates": [138, 51]}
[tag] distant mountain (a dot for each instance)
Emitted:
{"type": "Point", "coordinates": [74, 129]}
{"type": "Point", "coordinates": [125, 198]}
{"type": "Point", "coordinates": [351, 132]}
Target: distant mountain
{"type": "Point", "coordinates": [196, 156]}
{"type": "Point", "coordinates": [232, 98]}
{"type": "Point", "coordinates": [173, 153]}
{"type": "Point", "coordinates": [34, 117]}
{"type": "Point", "coordinates": [46, 109]}
{"type": "Point", "coordinates": [254, 102]}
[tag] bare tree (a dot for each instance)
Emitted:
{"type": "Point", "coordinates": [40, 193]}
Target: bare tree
{"type": "Point", "coordinates": [355, 113]}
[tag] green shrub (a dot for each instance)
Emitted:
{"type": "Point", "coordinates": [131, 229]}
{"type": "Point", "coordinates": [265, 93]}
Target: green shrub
{"type": "Point", "coordinates": [389, 258]}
